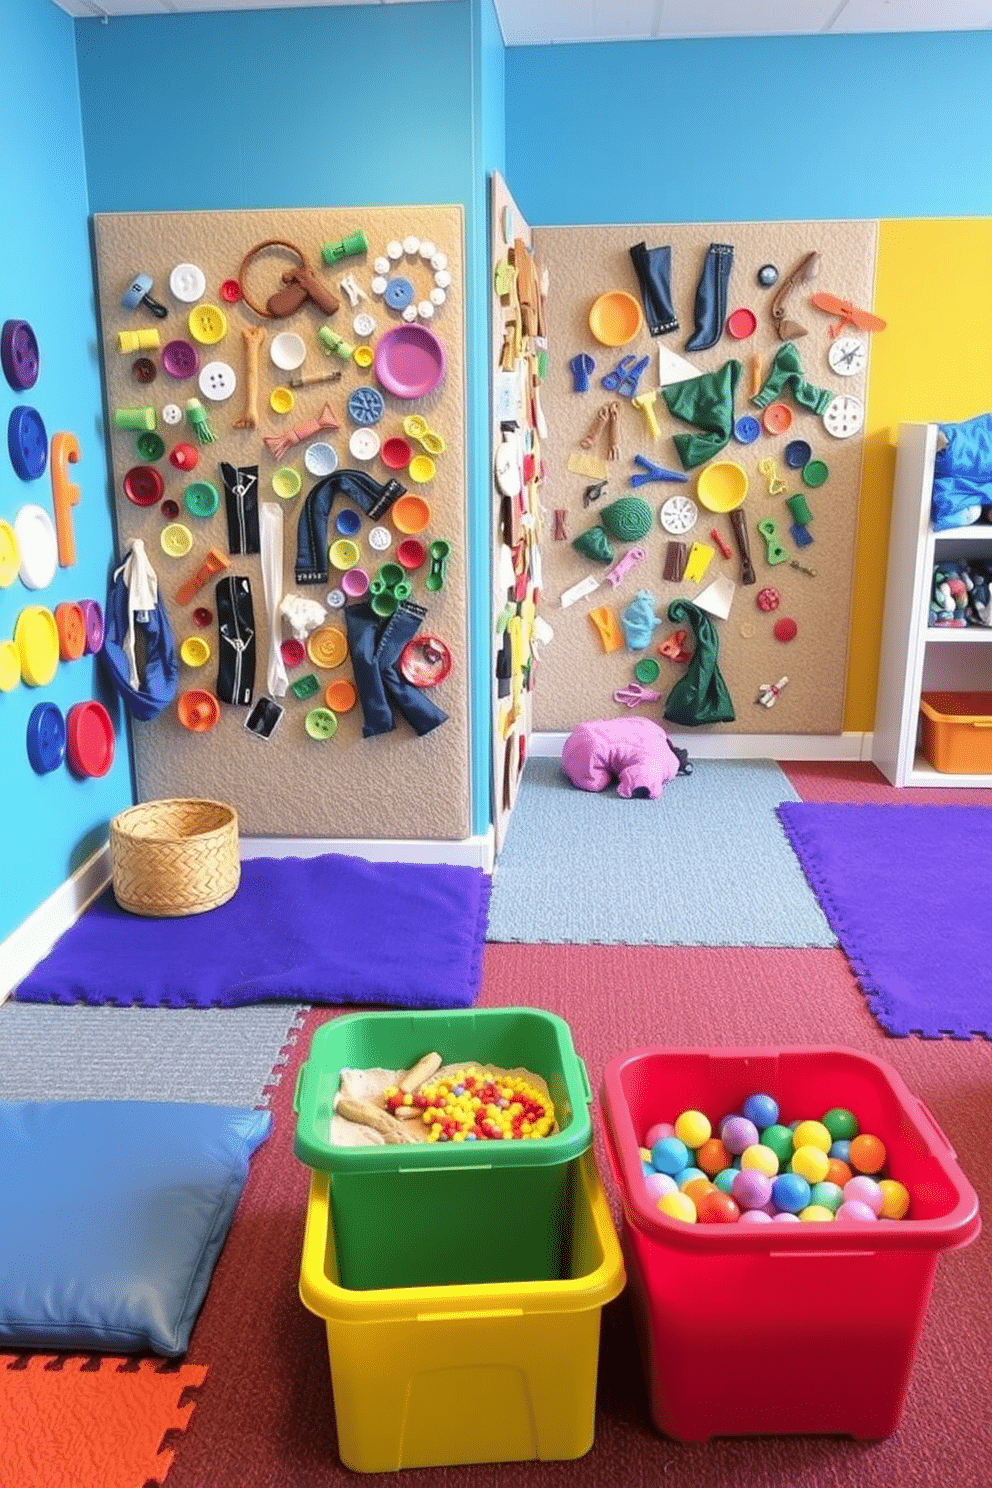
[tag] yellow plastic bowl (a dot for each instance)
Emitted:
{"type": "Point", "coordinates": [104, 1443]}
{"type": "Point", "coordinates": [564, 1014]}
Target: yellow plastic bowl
{"type": "Point", "coordinates": [615, 318]}
{"type": "Point", "coordinates": [722, 486]}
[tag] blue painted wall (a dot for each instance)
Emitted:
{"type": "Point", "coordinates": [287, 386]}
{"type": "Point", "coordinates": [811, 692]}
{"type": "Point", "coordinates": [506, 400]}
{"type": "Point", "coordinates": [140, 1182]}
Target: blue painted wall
{"type": "Point", "coordinates": [372, 104]}
{"type": "Point", "coordinates": [49, 825]}
{"type": "Point", "coordinates": [751, 130]}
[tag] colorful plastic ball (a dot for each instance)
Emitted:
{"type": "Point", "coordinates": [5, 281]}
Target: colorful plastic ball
{"type": "Point", "coordinates": [751, 1188]}
{"type": "Point", "coordinates": [812, 1134]}
{"type": "Point", "coordinates": [755, 1216]}
{"type": "Point", "coordinates": [645, 1154]}
{"type": "Point", "coordinates": [669, 1155]}
{"type": "Point", "coordinates": [838, 1172]}
{"type": "Point", "coordinates": [657, 1132]}
{"type": "Point", "coordinates": [858, 1212]}
{"type": "Point", "coordinates": [895, 1199]}
{"type": "Point", "coordinates": [646, 1168]}
{"type": "Point", "coordinates": [811, 1163]}
{"type": "Point", "coordinates": [790, 1192]}
{"type": "Point", "coordinates": [785, 1216]}
{"type": "Point", "coordinates": [827, 1195]}
{"type": "Point", "coordinates": [816, 1214]}
{"type": "Point", "coordinates": [697, 1189]}
{"type": "Point", "coordinates": [738, 1133]}
{"type": "Point", "coordinates": [657, 1185]}
{"type": "Point", "coordinates": [864, 1190]}
{"type": "Point", "coordinates": [867, 1154]}
{"type": "Point", "coordinates": [762, 1158]}
{"type": "Point", "coordinates": [717, 1208]}
{"type": "Point", "coordinates": [840, 1149]}
{"type": "Point", "coordinates": [724, 1180]}
{"type": "Point", "coordinates": [840, 1123]}
{"type": "Point", "coordinates": [761, 1109]}
{"type": "Point", "coordinates": [779, 1139]}
{"type": "Point", "coordinates": [688, 1175]}
{"type": "Point", "coordinates": [677, 1206]}
{"type": "Point", "coordinates": [712, 1157]}
{"type": "Point", "coordinates": [693, 1128]}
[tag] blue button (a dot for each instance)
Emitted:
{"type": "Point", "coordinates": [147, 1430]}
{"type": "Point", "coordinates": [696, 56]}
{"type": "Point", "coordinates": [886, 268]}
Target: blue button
{"type": "Point", "coordinates": [27, 442]}
{"type": "Point", "coordinates": [398, 293]}
{"type": "Point", "coordinates": [46, 738]}
{"type": "Point", "coordinates": [746, 430]}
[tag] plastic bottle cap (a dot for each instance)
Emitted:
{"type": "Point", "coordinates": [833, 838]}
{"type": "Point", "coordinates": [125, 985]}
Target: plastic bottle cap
{"type": "Point", "coordinates": [286, 482]}
{"type": "Point", "coordinates": [815, 473]}
{"type": "Point", "coordinates": [364, 444]}
{"type": "Point", "coordinates": [348, 522]}
{"type": "Point", "coordinates": [344, 553]}
{"type": "Point", "coordinates": [396, 453]}
{"type": "Point", "coordinates": [207, 324]}
{"type": "Point", "coordinates": [201, 498]}
{"type": "Point", "coordinates": [380, 539]}
{"type": "Point", "coordinates": [422, 469]}
{"type": "Point", "coordinates": [198, 710]}
{"type": "Point", "coordinates": [412, 553]}
{"type": "Point", "coordinates": [741, 324]}
{"type": "Point", "coordinates": [355, 583]}
{"type": "Point", "coordinates": [341, 696]}
{"type": "Point", "coordinates": [37, 545]}
{"type": "Point", "coordinates": [176, 540]}
{"type": "Point", "coordinates": [365, 405]}
{"type": "Point", "coordinates": [288, 351]}
{"type": "Point", "coordinates": [281, 400]}
{"type": "Point", "coordinates": [45, 738]}
{"type": "Point", "coordinates": [796, 454]}
{"type": "Point", "coordinates": [293, 652]}
{"type": "Point", "coordinates": [195, 651]}
{"type": "Point", "coordinates": [410, 514]}
{"type": "Point", "coordinates": [321, 723]}
{"type": "Point", "coordinates": [777, 418]}
{"type": "Point", "coordinates": [363, 356]}
{"type": "Point", "coordinates": [217, 381]}
{"type": "Point", "coordinates": [320, 458]}
{"type": "Point", "coordinates": [647, 670]}
{"type": "Point", "coordinates": [187, 282]}
{"type": "Point", "coordinates": [10, 666]}
{"type": "Point", "coordinates": [185, 457]}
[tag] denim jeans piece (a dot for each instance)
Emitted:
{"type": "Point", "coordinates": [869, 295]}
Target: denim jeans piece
{"type": "Point", "coordinates": [711, 297]}
{"type": "Point", "coordinates": [311, 533]}
{"type": "Point", "coordinates": [653, 267]}
{"type": "Point", "coordinates": [375, 647]}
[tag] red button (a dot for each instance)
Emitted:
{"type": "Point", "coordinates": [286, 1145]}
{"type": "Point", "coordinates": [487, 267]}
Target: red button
{"type": "Point", "coordinates": [143, 485]}
{"type": "Point", "coordinates": [89, 739]}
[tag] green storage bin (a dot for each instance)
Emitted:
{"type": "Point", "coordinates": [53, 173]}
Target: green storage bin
{"type": "Point", "coordinates": [447, 1214]}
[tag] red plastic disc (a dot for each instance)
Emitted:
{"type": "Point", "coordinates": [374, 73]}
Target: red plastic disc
{"type": "Point", "coordinates": [741, 324]}
{"type": "Point", "coordinates": [89, 739]}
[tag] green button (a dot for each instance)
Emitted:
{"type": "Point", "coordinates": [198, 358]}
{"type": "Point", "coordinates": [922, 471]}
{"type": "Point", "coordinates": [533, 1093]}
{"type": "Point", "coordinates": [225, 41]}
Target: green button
{"type": "Point", "coordinates": [202, 499]}
{"type": "Point", "coordinates": [647, 670]}
{"type": "Point", "coordinates": [321, 723]}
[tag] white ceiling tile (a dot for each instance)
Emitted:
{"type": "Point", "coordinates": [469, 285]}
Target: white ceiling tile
{"type": "Point", "coordinates": [686, 18]}
{"type": "Point", "coordinates": [914, 15]}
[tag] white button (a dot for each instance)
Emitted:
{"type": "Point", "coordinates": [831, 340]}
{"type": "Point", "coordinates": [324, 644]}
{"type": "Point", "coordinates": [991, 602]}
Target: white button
{"type": "Point", "coordinates": [364, 444]}
{"type": "Point", "coordinates": [438, 296]}
{"type": "Point", "coordinates": [380, 538]}
{"type": "Point", "coordinates": [410, 313]}
{"type": "Point", "coordinates": [442, 279]}
{"type": "Point", "coordinates": [379, 285]}
{"type": "Point", "coordinates": [288, 351]}
{"type": "Point", "coordinates": [439, 261]}
{"type": "Point", "coordinates": [187, 282]}
{"type": "Point", "coordinates": [217, 381]}
{"type": "Point", "coordinates": [381, 266]}
{"type": "Point", "coordinates": [335, 599]}
{"type": "Point", "coordinates": [364, 324]}
{"type": "Point", "coordinates": [428, 249]}
{"type": "Point", "coordinates": [425, 310]}
{"type": "Point", "coordinates": [172, 414]}
{"type": "Point", "coordinates": [411, 245]}
{"type": "Point", "coordinates": [394, 250]}
{"type": "Point", "coordinates": [320, 458]}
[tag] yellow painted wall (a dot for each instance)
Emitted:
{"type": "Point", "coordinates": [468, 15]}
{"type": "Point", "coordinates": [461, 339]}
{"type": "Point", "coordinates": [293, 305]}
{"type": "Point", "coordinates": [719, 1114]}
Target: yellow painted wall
{"type": "Point", "coordinates": [932, 363]}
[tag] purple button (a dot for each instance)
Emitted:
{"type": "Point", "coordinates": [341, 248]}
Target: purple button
{"type": "Point", "coordinates": [93, 619]}
{"type": "Point", "coordinates": [180, 359]}
{"type": "Point", "coordinates": [19, 354]}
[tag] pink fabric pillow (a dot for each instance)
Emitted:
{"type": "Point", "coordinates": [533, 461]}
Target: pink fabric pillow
{"type": "Point", "coordinates": [632, 751]}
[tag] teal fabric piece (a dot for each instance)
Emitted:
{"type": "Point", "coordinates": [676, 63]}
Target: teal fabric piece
{"type": "Point", "coordinates": [639, 620]}
{"type": "Point", "coordinates": [708, 402]}
{"type": "Point", "coordinates": [786, 372]}
{"type": "Point", "coordinates": [594, 544]}
{"type": "Point", "coordinates": [700, 696]}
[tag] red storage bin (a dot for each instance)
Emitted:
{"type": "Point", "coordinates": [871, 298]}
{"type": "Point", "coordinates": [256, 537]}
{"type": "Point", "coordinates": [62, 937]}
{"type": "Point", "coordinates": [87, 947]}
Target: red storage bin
{"type": "Point", "coordinates": [781, 1328]}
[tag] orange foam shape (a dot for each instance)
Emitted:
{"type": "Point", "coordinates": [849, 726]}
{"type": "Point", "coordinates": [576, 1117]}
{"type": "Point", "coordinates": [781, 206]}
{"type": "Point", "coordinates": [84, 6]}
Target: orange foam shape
{"type": "Point", "coordinates": [92, 1428]}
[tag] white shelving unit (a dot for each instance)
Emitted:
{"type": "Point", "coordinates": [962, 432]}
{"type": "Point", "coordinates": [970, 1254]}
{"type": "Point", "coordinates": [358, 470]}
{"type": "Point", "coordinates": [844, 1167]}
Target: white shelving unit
{"type": "Point", "coordinates": [915, 657]}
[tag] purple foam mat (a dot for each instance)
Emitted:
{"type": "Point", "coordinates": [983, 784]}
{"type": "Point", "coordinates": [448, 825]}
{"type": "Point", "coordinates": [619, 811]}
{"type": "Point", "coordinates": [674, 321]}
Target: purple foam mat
{"type": "Point", "coordinates": [330, 929]}
{"type": "Point", "coordinates": [905, 890]}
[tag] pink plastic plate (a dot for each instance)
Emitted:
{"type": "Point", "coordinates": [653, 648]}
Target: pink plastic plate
{"type": "Point", "coordinates": [410, 361]}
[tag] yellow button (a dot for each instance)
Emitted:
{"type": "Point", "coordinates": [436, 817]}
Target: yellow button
{"type": "Point", "coordinates": [10, 666]}
{"type": "Point", "coordinates": [36, 637]}
{"type": "Point", "coordinates": [328, 646]}
{"type": "Point", "coordinates": [207, 324]}
{"type": "Point", "coordinates": [10, 555]}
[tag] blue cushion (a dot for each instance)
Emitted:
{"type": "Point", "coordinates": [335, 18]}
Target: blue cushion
{"type": "Point", "coordinates": [113, 1216]}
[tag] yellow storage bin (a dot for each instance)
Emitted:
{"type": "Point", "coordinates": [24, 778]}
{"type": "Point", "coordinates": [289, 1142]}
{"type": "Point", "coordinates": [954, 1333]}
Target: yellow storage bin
{"type": "Point", "coordinates": [444, 1375]}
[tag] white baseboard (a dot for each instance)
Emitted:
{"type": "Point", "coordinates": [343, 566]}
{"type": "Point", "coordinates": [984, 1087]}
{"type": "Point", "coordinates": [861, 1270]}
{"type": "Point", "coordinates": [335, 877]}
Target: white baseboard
{"type": "Point", "coordinates": [35, 936]}
{"type": "Point", "coordinates": [471, 852]}
{"type": "Point", "coordinates": [853, 746]}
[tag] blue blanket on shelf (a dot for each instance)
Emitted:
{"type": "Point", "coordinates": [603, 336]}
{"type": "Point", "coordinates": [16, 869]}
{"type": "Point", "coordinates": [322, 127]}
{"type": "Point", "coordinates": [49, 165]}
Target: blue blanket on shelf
{"type": "Point", "coordinates": [329, 929]}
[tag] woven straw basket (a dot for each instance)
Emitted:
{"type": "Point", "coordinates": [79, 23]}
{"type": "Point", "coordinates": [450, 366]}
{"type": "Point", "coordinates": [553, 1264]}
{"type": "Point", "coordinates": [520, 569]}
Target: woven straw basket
{"type": "Point", "coordinates": [174, 857]}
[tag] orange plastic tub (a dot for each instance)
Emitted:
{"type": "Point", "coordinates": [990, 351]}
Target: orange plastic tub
{"type": "Point", "coordinates": [957, 731]}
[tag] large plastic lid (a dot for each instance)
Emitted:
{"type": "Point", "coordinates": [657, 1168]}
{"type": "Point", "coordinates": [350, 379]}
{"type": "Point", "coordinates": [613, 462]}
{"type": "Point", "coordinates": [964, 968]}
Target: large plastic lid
{"type": "Point", "coordinates": [509, 1038]}
{"type": "Point", "coordinates": [89, 737]}
{"type": "Point", "coordinates": [36, 637]}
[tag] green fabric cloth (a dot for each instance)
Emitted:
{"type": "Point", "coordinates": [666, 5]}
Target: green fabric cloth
{"type": "Point", "coordinates": [786, 372]}
{"type": "Point", "coordinates": [708, 402]}
{"type": "Point", "coordinates": [700, 696]}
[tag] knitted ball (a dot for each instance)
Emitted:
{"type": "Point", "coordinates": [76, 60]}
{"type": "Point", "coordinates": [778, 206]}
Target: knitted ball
{"type": "Point", "coordinates": [627, 519]}
{"type": "Point", "coordinates": [594, 544]}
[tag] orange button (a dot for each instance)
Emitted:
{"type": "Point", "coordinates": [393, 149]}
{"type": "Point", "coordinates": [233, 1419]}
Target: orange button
{"type": "Point", "coordinates": [71, 623]}
{"type": "Point", "coordinates": [328, 646]}
{"type": "Point", "coordinates": [777, 418]}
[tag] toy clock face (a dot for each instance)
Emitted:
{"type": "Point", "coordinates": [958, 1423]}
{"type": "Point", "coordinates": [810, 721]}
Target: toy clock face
{"type": "Point", "coordinates": [843, 416]}
{"type": "Point", "coordinates": [847, 356]}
